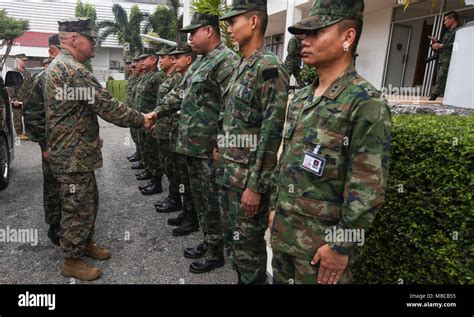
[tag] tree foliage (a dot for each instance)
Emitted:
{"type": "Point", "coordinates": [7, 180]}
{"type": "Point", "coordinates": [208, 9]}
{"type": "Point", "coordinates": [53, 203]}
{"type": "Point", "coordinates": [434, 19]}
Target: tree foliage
{"type": "Point", "coordinates": [11, 28]}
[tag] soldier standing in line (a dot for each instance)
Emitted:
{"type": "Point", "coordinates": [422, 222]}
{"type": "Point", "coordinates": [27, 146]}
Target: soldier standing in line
{"type": "Point", "coordinates": [35, 126]}
{"type": "Point", "coordinates": [129, 98]}
{"type": "Point", "coordinates": [198, 128]}
{"type": "Point", "coordinates": [145, 100]}
{"type": "Point", "coordinates": [255, 112]}
{"type": "Point", "coordinates": [186, 221]}
{"type": "Point", "coordinates": [73, 98]}
{"type": "Point", "coordinates": [333, 171]}
{"type": "Point", "coordinates": [159, 148]}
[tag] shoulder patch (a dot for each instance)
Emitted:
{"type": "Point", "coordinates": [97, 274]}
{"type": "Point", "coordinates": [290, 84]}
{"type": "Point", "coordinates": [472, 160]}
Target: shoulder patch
{"type": "Point", "coordinates": [270, 73]}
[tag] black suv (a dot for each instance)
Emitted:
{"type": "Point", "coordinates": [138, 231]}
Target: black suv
{"type": "Point", "coordinates": [12, 78]}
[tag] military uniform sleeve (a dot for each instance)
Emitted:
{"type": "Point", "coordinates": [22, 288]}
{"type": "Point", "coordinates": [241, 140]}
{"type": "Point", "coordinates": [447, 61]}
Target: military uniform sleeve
{"type": "Point", "coordinates": [367, 171]}
{"type": "Point", "coordinates": [108, 108]}
{"type": "Point", "coordinates": [34, 113]}
{"type": "Point", "coordinates": [171, 103]}
{"type": "Point", "coordinates": [273, 93]}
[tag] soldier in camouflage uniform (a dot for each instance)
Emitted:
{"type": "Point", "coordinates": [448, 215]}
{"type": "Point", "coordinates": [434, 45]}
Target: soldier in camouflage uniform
{"type": "Point", "coordinates": [159, 149]}
{"type": "Point", "coordinates": [19, 94]}
{"type": "Point", "coordinates": [35, 126]}
{"type": "Point", "coordinates": [445, 50]}
{"type": "Point", "coordinates": [145, 100]}
{"type": "Point", "coordinates": [198, 128]}
{"type": "Point", "coordinates": [162, 131]}
{"type": "Point", "coordinates": [132, 82]}
{"type": "Point", "coordinates": [73, 98]}
{"type": "Point", "coordinates": [293, 59]}
{"type": "Point", "coordinates": [254, 112]}
{"type": "Point", "coordinates": [186, 221]}
{"type": "Point", "coordinates": [333, 170]}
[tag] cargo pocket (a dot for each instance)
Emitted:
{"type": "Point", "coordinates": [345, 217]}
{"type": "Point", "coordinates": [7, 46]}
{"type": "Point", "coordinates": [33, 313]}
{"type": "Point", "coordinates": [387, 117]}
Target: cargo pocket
{"type": "Point", "coordinates": [327, 213]}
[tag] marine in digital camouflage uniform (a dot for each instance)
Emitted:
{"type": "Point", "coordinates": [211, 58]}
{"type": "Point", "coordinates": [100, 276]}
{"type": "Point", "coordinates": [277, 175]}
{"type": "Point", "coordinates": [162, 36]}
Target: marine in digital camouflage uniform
{"type": "Point", "coordinates": [445, 53]}
{"type": "Point", "coordinates": [20, 94]}
{"type": "Point", "coordinates": [198, 128]}
{"type": "Point", "coordinates": [35, 126]}
{"type": "Point", "coordinates": [333, 170]}
{"type": "Point", "coordinates": [74, 147]}
{"type": "Point", "coordinates": [254, 111]}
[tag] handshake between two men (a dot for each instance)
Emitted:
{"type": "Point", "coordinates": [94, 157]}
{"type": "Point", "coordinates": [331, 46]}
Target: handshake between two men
{"type": "Point", "coordinates": [150, 119]}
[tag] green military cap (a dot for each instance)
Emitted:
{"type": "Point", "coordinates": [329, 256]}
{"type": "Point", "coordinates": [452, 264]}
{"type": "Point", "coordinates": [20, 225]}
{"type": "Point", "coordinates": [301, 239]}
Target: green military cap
{"type": "Point", "coordinates": [80, 25]}
{"type": "Point", "coordinates": [328, 12]}
{"type": "Point", "coordinates": [53, 40]}
{"type": "Point", "coordinates": [182, 48]}
{"type": "Point", "coordinates": [146, 53]}
{"type": "Point", "coordinates": [239, 7]}
{"type": "Point", "coordinates": [47, 61]}
{"type": "Point", "coordinates": [166, 50]}
{"type": "Point", "coordinates": [21, 56]}
{"type": "Point", "coordinates": [200, 20]}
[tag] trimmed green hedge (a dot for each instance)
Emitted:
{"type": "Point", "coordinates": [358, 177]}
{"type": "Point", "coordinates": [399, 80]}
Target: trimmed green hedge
{"type": "Point", "coordinates": [117, 88]}
{"type": "Point", "coordinates": [423, 233]}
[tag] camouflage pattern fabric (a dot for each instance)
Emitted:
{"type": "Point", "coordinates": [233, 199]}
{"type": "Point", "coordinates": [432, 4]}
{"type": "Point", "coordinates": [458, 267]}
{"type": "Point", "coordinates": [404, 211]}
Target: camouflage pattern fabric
{"type": "Point", "coordinates": [349, 129]}
{"type": "Point", "coordinates": [20, 93]}
{"type": "Point", "coordinates": [444, 61]}
{"type": "Point", "coordinates": [71, 122]}
{"type": "Point", "coordinates": [293, 60]}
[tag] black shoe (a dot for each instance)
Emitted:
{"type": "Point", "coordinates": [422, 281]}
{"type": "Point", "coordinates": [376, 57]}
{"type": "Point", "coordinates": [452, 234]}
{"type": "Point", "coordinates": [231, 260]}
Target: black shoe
{"type": "Point", "coordinates": [178, 220]}
{"type": "Point", "coordinates": [168, 206]}
{"type": "Point", "coordinates": [133, 158]}
{"type": "Point", "coordinates": [195, 252]}
{"type": "Point", "coordinates": [53, 233]}
{"type": "Point", "coordinates": [137, 166]}
{"type": "Point", "coordinates": [204, 266]}
{"type": "Point", "coordinates": [434, 97]}
{"type": "Point", "coordinates": [142, 187]}
{"type": "Point", "coordinates": [144, 176]}
{"type": "Point", "coordinates": [152, 190]}
{"type": "Point", "coordinates": [186, 228]}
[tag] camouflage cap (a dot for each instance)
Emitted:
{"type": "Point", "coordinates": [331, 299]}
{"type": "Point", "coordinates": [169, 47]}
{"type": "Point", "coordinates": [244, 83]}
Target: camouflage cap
{"type": "Point", "coordinates": [182, 48]}
{"type": "Point", "coordinates": [146, 53]}
{"type": "Point", "coordinates": [47, 61]}
{"type": "Point", "coordinates": [53, 40]}
{"type": "Point", "coordinates": [166, 50]}
{"type": "Point", "coordinates": [200, 20]}
{"type": "Point", "coordinates": [136, 58]}
{"type": "Point", "coordinates": [79, 25]}
{"type": "Point", "coordinates": [328, 12]}
{"type": "Point", "coordinates": [21, 56]}
{"type": "Point", "coordinates": [239, 7]}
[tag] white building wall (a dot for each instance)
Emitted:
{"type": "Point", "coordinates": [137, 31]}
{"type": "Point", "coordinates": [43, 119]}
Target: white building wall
{"type": "Point", "coordinates": [373, 45]}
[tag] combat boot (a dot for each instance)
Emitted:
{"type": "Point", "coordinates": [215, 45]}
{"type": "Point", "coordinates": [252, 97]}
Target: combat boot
{"type": "Point", "coordinates": [189, 225]}
{"type": "Point", "coordinates": [78, 268]}
{"type": "Point", "coordinates": [178, 220]}
{"type": "Point", "coordinates": [53, 233]}
{"type": "Point", "coordinates": [92, 250]}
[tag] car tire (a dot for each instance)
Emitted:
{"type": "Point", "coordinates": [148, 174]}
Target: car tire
{"type": "Point", "coordinates": [4, 164]}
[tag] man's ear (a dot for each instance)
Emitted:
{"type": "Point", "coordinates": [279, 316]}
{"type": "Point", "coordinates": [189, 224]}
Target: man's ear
{"type": "Point", "coordinates": [254, 21]}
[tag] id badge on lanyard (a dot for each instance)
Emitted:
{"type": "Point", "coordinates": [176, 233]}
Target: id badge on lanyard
{"type": "Point", "coordinates": [313, 162]}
